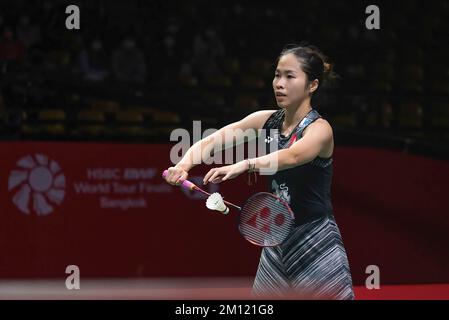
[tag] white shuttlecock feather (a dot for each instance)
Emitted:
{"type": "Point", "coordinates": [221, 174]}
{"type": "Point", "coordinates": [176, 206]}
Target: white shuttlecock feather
{"type": "Point", "coordinates": [215, 202]}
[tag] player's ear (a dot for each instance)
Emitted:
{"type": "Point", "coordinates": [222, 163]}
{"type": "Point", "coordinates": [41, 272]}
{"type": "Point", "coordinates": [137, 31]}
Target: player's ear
{"type": "Point", "coordinates": [313, 86]}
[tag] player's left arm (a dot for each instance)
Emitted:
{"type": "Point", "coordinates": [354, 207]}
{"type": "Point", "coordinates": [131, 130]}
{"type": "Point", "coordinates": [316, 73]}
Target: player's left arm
{"type": "Point", "coordinates": [317, 137]}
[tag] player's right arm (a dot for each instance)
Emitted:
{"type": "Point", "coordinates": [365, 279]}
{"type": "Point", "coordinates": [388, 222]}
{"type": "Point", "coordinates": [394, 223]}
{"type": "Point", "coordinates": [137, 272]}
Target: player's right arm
{"type": "Point", "coordinates": [229, 135]}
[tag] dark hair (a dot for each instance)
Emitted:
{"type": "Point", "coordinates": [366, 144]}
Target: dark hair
{"type": "Point", "coordinates": [313, 62]}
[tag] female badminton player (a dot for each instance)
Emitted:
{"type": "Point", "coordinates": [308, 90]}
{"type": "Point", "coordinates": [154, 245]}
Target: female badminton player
{"type": "Point", "coordinates": [312, 261]}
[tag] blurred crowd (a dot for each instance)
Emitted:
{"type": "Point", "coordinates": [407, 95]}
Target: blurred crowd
{"type": "Point", "coordinates": [217, 59]}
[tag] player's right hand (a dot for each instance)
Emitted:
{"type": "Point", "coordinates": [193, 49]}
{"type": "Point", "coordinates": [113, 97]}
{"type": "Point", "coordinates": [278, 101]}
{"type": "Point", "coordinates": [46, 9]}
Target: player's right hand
{"type": "Point", "coordinates": [176, 175]}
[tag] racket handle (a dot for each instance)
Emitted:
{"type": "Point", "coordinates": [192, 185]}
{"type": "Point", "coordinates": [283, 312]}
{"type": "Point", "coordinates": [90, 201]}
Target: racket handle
{"type": "Point", "coordinates": [185, 184]}
{"type": "Point", "coordinates": [191, 186]}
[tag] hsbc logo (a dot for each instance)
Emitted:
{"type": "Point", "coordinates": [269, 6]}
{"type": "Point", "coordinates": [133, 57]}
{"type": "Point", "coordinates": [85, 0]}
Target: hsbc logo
{"type": "Point", "coordinates": [37, 184]}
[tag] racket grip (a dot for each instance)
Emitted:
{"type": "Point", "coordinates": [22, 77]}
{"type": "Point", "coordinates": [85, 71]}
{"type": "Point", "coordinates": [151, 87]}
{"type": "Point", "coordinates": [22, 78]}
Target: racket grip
{"type": "Point", "coordinates": [185, 184]}
{"type": "Point", "coordinates": [188, 185]}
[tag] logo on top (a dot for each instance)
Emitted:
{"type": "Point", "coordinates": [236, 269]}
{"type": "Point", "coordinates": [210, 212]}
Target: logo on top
{"type": "Point", "coordinates": [38, 184]}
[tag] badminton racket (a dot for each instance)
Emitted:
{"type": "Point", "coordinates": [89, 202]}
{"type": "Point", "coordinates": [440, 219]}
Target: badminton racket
{"type": "Point", "coordinates": [265, 219]}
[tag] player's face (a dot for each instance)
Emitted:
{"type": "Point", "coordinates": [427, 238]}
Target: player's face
{"type": "Point", "coordinates": [290, 82]}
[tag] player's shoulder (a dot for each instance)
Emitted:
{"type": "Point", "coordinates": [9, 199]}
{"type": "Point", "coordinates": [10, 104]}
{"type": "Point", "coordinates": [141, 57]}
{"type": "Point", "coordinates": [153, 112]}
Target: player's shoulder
{"type": "Point", "coordinates": [321, 125]}
{"type": "Point", "coordinates": [321, 122]}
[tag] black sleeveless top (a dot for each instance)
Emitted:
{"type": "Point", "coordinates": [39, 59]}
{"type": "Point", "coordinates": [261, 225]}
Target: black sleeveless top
{"type": "Point", "coordinates": [307, 188]}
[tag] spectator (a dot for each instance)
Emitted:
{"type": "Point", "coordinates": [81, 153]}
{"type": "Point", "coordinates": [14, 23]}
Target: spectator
{"type": "Point", "coordinates": [11, 50]}
{"type": "Point", "coordinates": [28, 34]}
{"type": "Point", "coordinates": [214, 43]}
{"type": "Point", "coordinates": [128, 62]}
{"type": "Point", "coordinates": [207, 47]}
{"type": "Point", "coordinates": [93, 62]}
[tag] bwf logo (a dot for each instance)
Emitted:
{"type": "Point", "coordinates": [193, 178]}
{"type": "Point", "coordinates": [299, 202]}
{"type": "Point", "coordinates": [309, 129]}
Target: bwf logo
{"type": "Point", "coordinates": [37, 184]}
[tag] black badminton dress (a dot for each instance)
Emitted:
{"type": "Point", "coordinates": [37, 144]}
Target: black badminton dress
{"type": "Point", "coordinates": [312, 261]}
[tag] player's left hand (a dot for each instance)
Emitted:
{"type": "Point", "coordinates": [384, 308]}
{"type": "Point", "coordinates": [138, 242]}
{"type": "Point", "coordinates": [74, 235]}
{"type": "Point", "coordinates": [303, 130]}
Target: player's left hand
{"type": "Point", "coordinates": [217, 175]}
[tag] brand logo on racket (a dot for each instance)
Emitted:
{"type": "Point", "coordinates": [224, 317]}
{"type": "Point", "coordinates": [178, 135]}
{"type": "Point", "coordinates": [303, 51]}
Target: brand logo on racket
{"type": "Point", "coordinates": [263, 220]}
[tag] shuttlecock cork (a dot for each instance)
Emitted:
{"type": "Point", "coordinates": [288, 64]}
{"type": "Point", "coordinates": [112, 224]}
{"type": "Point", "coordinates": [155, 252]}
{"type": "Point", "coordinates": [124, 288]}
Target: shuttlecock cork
{"type": "Point", "coordinates": [215, 202]}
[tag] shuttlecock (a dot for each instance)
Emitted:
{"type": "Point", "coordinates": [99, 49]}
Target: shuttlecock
{"type": "Point", "coordinates": [215, 202]}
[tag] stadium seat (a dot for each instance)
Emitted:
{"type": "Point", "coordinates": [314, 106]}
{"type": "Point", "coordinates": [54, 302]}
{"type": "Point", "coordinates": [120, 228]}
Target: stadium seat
{"type": "Point", "coordinates": [252, 82]}
{"type": "Point", "coordinates": [213, 100]}
{"type": "Point", "coordinates": [261, 67]}
{"type": "Point", "coordinates": [246, 103]}
{"type": "Point", "coordinates": [91, 123]}
{"type": "Point", "coordinates": [412, 78]}
{"type": "Point", "coordinates": [107, 106]}
{"type": "Point", "coordinates": [166, 117]}
{"type": "Point", "coordinates": [344, 120]}
{"type": "Point", "coordinates": [219, 81]}
{"type": "Point", "coordinates": [51, 115]}
{"type": "Point", "coordinates": [440, 115]}
{"type": "Point", "coordinates": [132, 123]}
{"type": "Point", "coordinates": [48, 121]}
{"type": "Point", "coordinates": [91, 116]}
{"type": "Point", "coordinates": [410, 115]}
{"type": "Point", "coordinates": [231, 66]}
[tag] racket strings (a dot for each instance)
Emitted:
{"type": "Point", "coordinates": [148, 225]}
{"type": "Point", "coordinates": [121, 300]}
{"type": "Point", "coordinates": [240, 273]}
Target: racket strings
{"type": "Point", "coordinates": [265, 220]}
